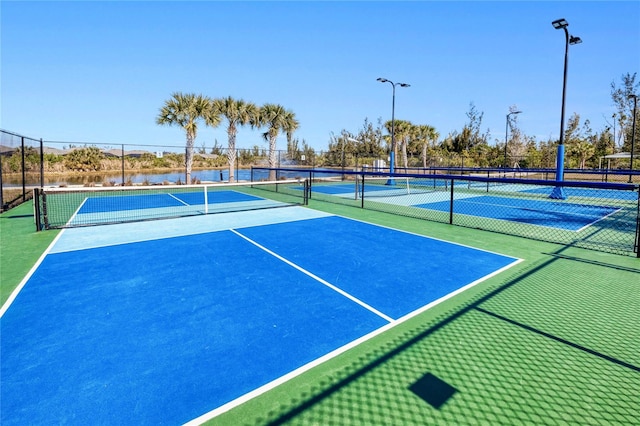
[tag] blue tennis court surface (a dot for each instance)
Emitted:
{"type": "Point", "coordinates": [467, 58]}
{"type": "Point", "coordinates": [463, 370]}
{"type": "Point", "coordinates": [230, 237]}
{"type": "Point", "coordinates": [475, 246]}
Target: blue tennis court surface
{"type": "Point", "coordinates": [121, 208]}
{"type": "Point", "coordinates": [590, 193]}
{"type": "Point", "coordinates": [566, 215]}
{"type": "Point", "coordinates": [562, 215]}
{"type": "Point", "coordinates": [165, 330]}
{"type": "Point", "coordinates": [349, 188]}
{"type": "Point", "coordinates": [153, 201]}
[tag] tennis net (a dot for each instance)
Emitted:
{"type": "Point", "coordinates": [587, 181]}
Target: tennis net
{"type": "Point", "coordinates": [74, 207]}
{"type": "Point", "coordinates": [384, 186]}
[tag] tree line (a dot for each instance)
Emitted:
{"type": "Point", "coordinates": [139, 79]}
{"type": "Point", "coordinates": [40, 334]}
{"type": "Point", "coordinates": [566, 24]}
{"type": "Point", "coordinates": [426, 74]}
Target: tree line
{"type": "Point", "coordinates": [188, 109]}
{"type": "Point", "coordinates": [420, 144]}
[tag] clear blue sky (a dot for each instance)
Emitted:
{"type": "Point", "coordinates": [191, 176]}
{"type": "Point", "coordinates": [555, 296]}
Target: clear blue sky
{"type": "Point", "coordinates": [99, 71]}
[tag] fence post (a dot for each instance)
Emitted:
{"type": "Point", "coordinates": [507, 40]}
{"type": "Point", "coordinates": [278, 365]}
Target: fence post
{"type": "Point", "coordinates": [636, 247]}
{"type": "Point", "coordinates": [1, 188]}
{"type": "Point", "coordinates": [362, 193]}
{"type": "Point", "coordinates": [122, 164]}
{"type": "Point", "coordinates": [24, 175]}
{"type": "Point", "coordinates": [41, 163]}
{"type": "Point", "coordinates": [451, 204]}
{"type": "Point", "coordinates": [488, 176]}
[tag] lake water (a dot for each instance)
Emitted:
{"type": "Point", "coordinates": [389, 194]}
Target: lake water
{"type": "Point", "coordinates": [151, 178]}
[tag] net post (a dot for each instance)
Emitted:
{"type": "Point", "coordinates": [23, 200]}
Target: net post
{"type": "Point", "coordinates": [44, 209]}
{"type": "Point", "coordinates": [36, 209]}
{"type": "Point", "coordinates": [206, 200]}
{"type": "Point", "coordinates": [306, 192]}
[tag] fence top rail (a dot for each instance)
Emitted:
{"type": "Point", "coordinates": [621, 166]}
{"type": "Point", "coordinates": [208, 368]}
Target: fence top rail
{"type": "Point", "coordinates": [526, 170]}
{"type": "Point", "coordinates": [6, 132]}
{"type": "Point", "coordinates": [576, 184]}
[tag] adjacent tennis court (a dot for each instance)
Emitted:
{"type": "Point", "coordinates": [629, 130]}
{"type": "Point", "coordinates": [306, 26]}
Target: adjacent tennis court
{"type": "Point", "coordinates": [572, 214]}
{"type": "Point", "coordinates": [562, 215]}
{"type": "Point", "coordinates": [168, 321]}
{"type": "Point", "coordinates": [590, 193]}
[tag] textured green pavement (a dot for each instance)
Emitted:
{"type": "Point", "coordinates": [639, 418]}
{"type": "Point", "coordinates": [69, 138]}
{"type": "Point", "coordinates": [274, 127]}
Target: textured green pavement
{"type": "Point", "coordinates": [20, 246]}
{"type": "Point", "coordinates": [553, 340]}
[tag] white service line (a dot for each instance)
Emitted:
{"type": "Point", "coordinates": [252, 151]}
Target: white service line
{"type": "Point", "coordinates": [317, 278]}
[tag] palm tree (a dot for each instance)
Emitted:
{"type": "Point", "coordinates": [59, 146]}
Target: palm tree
{"type": "Point", "coordinates": [237, 112]}
{"type": "Point", "coordinates": [403, 130]}
{"type": "Point", "coordinates": [584, 150]}
{"type": "Point", "coordinates": [277, 119]}
{"type": "Point", "coordinates": [425, 134]}
{"type": "Point", "coordinates": [184, 110]}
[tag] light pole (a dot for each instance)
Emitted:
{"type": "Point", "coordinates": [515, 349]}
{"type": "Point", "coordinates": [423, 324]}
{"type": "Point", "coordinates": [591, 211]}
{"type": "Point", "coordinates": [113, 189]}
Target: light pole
{"type": "Point", "coordinates": [558, 191]}
{"type": "Point", "coordinates": [506, 134]}
{"type": "Point", "coordinates": [633, 135]}
{"type": "Point", "coordinates": [614, 132]}
{"type": "Point", "coordinates": [393, 135]}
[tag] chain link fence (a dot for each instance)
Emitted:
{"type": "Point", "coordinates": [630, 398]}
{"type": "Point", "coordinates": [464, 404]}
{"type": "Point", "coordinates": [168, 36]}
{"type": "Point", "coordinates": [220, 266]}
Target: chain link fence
{"type": "Point", "coordinates": [593, 215]}
{"type": "Point", "coordinates": [28, 162]}
{"type": "Point", "coordinates": [20, 168]}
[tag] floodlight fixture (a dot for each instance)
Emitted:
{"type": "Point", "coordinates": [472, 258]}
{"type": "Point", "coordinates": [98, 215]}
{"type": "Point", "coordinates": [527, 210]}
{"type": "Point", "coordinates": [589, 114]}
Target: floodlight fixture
{"type": "Point", "coordinates": [560, 23]}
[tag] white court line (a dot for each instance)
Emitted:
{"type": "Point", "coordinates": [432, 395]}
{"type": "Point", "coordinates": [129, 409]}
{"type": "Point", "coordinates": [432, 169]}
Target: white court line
{"type": "Point", "coordinates": [533, 209]}
{"type": "Point", "coordinates": [586, 216]}
{"type": "Point", "coordinates": [75, 214]}
{"type": "Point", "coordinates": [300, 370]}
{"type": "Point", "coordinates": [317, 278]}
{"type": "Point", "coordinates": [178, 199]}
{"type": "Point", "coordinates": [598, 220]}
{"type": "Point", "coordinates": [26, 278]}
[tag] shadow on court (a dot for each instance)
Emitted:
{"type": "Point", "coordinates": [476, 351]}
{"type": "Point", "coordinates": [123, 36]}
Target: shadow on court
{"type": "Point", "coordinates": [506, 356]}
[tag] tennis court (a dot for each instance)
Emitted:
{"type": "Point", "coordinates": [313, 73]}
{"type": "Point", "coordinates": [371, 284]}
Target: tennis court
{"type": "Point", "coordinates": [589, 193]}
{"type": "Point", "coordinates": [70, 207]}
{"type": "Point", "coordinates": [179, 320]}
{"type": "Point", "coordinates": [509, 204]}
{"type": "Point", "coordinates": [562, 215]}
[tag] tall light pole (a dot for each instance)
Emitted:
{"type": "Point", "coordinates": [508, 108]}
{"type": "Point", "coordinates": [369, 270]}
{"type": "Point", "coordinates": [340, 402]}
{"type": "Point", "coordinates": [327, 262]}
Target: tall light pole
{"type": "Point", "coordinates": [392, 159]}
{"type": "Point", "coordinates": [633, 134]}
{"type": "Point", "coordinates": [614, 132]}
{"type": "Point", "coordinates": [506, 134]}
{"type": "Point", "coordinates": [558, 191]}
